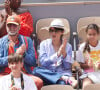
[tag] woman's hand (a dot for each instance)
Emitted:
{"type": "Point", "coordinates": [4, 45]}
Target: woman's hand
{"type": "Point", "coordinates": [62, 49]}
{"type": "Point", "coordinates": [59, 51]}
{"type": "Point", "coordinates": [64, 43]}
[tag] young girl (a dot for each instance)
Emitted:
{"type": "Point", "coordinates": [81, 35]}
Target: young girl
{"type": "Point", "coordinates": [89, 56]}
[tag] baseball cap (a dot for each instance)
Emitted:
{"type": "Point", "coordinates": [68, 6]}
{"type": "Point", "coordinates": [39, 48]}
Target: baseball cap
{"type": "Point", "coordinates": [14, 19]}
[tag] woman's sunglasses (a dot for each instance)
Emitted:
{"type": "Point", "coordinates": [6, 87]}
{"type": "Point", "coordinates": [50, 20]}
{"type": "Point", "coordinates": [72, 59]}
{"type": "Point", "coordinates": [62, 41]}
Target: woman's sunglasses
{"type": "Point", "coordinates": [55, 29]}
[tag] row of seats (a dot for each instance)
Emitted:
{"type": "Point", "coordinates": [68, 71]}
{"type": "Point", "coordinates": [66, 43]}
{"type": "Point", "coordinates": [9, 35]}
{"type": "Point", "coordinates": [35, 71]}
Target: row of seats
{"type": "Point", "coordinates": [67, 87]}
{"type": "Point", "coordinates": [43, 25]}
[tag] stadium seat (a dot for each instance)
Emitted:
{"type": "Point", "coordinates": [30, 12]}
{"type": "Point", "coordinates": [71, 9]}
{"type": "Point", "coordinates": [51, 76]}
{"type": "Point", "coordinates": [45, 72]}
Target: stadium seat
{"type": "Point", "coordinates": [57, 87]}
{"type": "Point", "coordinates": [82, 24]}
{"type": "Point", "coordinates": [92, 87]}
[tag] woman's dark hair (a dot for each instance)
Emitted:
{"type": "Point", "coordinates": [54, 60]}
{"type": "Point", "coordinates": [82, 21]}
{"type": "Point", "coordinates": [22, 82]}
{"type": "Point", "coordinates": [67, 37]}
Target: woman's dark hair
{"type": "Point", "coordinates": [93, 27]}
{"type": "Point", "coordinates": [61, 38]}
{"type": "Point", "coordinates": [15, 58]}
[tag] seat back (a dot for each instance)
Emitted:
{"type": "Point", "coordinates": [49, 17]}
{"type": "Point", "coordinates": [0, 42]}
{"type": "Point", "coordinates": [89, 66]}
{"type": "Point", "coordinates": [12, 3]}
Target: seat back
{"type": "Point", "coordinates": [83, 23]}
{"type": "Point", "coordinates": [42, 27]}
{"type": "Point", "coordinates": [92, 87]}
{"type": "Point", "coordinates": [57, 87]}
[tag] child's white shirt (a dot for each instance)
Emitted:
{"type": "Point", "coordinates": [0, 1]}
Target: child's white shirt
{"type": "Point", "coordinates": [5, 82]}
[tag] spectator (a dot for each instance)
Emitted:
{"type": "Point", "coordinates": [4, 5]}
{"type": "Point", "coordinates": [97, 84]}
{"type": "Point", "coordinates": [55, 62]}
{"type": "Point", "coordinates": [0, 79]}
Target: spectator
{"type": "Point", "coordinates": [56, 57]}
{"type": "Point", "coordinates": [89, 56]}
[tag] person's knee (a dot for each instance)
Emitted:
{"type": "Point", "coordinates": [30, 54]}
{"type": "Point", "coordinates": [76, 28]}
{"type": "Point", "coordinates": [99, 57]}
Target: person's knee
{"type": "Point", "coordinates": [86, 82]}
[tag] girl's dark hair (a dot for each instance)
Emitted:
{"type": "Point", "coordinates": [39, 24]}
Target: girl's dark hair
{"type": "Point", "coordinates": [94, 27]}
{"type": "Point", "coordinates": [15, 58]}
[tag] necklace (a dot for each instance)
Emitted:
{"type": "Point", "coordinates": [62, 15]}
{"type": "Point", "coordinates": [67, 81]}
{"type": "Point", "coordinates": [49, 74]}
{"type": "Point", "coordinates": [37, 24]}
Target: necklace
{"type": "Point", "coordinates": [22, 81]}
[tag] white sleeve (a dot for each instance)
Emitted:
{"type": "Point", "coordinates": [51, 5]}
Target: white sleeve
{"type": "Point", "coordinates": [80, 55]}
{"type": "Point", "coordinates": [1, 84]}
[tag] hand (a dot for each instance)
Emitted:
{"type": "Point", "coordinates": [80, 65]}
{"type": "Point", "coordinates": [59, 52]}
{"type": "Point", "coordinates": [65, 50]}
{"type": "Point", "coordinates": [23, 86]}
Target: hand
{"type": "Point", "coordinates": [65, 78]}
{"type": "Point", "coordinates": [97, 65]}
{"type": "Point", "coordinates": [90, 63]}
{"type": "Point", "coordinates": [64, 43]}
{"type": "Point", "coordinates": [12, 44]}
{"type": "Point", "coordinates": [62, 49]}
{"type": "Point", "coordinates": [21, 50]}
{"type": "Point", "coordinates": [3, 17]}
{"type": "Point", "coordinates": [64, 53]}
{"type": "Point", "coordinates": [14, 88]}
{"type": "Point", "coordinates": [7, 7]}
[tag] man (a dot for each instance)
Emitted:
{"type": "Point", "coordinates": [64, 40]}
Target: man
{"type": "Point", "coordinates": [16, 43]}
{"type": "Point", "coordinates": [13, 7]}
{"type": "Point", "coordinates": [16, 80]}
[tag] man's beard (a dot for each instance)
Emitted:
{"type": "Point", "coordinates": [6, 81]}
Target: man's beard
{"type": "Point", "coordinates": [12, 33]}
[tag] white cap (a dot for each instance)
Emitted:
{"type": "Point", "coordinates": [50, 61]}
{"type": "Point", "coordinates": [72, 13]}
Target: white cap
{"type": "Point", "coordinates": [57, 23]}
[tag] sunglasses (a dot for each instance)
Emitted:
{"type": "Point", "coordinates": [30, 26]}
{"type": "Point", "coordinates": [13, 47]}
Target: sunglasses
{"type": "Point", "coordinates": [55, 29]}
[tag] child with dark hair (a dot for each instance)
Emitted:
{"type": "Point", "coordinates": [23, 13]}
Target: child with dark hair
{"type": "Point", "coordinates": [89, 56]}
{"type": "Point", "coordinates": [16, 80]}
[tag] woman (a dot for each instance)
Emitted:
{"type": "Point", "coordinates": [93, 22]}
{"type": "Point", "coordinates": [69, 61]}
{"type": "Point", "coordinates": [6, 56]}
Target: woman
{"type": "Point", "coordinates": [89, 56]}
{"type": "Point", "coordinates": [56, 57]}
{"type": "Point", "coordinates": [13, 7]}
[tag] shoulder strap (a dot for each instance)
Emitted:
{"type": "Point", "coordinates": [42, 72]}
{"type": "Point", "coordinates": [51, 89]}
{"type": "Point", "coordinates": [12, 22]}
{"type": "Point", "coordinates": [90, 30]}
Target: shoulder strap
{"type": "Point", "coordinates": [26, 42]}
